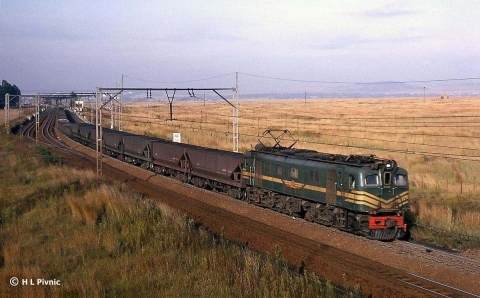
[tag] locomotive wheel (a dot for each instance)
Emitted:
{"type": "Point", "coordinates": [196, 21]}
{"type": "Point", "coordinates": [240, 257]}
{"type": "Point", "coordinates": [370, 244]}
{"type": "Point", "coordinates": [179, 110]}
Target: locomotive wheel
{"type": "Point", "coordinates": [311, 214]}
{"type": "Point", "coordinates": [339, 219]}
{"type": "Point", "coordinates": [185, 178]}
{"type": "Point", "coordinates": [198, 182]}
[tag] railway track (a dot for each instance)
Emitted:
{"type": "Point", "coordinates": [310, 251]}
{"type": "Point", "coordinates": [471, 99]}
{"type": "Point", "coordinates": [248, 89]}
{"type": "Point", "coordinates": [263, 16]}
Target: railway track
{"type": "Point", "coordinates": [385, 280]}
{"type": "Point", "coordinates": [412, 250]}
{"type": "Point", "coordinates": [441, 257]}
{"type": "Point", "coordinates": [47, 136]}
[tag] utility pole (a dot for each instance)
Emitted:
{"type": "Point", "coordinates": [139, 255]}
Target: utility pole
{"type": "Point", "coordinates": [120, 117]}
{"type": "Point", "coordinates": [235, 115]}
{"type": "Point", "coordinates": [112, 106]}
{"type": "Point", "coordinates": [7, 108]}
{"type": "Point", "coordinates": [98, 131]}
{"type": "Point", "coordinates": [37, 118]}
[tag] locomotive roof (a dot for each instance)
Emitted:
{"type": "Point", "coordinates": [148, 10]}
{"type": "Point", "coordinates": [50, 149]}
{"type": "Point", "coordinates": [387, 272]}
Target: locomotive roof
{"type": "Point", "coordinates": [354, 160]}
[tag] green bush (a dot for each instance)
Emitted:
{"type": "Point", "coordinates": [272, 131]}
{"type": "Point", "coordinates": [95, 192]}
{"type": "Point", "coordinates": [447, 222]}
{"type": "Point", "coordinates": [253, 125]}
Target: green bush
{"type": "Point", "coordinates": [47, 157]}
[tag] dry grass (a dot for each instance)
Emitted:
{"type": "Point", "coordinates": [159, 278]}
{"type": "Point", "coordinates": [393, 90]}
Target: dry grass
{"type": "Point", "coordinates": [436, 140]}
{"type": "Point", "coordinates": [434, 215]}
{"type": "Point", "coordinates": [94, 204]}
{"type": "Point", "coordinates": [99, 239]}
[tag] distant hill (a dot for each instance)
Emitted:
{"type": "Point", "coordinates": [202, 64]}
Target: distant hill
{"type": "Point", "coordinates": [386, 89]}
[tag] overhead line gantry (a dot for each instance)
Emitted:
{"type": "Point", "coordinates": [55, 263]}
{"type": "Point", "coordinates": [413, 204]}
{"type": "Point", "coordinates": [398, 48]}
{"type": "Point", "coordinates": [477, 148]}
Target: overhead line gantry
{"type": "Point", "coordinates": [112, 94]}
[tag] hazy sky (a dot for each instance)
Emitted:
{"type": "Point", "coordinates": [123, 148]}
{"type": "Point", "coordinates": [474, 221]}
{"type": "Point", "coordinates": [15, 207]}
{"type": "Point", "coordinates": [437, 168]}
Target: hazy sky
{"type": "Point", "coordinates": [53, 45]}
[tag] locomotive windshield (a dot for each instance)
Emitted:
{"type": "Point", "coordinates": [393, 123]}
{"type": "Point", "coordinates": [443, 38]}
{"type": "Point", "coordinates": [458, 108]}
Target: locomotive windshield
{"type": "Point", "coordinates": [399, 180]}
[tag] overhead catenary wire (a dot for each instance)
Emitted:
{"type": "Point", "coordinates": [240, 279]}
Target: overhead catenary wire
{"type": "Point", "coordinates": [343, 128]}
{"type": "Point", "coordinates": [318, 81]}
{"type": "Point", "coordinates": [358, 82]}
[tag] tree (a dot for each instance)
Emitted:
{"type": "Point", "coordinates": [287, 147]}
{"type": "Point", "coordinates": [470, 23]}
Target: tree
{"type": "Point", "coordinates": [12, 90]}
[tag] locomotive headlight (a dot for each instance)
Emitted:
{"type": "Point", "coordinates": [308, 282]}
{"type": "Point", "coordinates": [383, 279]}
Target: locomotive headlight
{"type": "Point", "coordinates": [389, 165]}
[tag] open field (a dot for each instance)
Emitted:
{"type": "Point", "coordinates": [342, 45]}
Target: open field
{"type": "Point", "coordinates": [436, 140]}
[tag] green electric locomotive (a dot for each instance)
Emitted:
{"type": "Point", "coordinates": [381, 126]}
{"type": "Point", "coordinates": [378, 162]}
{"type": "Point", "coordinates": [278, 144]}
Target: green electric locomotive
{"type": "Point", "coordinates": [361, 194]}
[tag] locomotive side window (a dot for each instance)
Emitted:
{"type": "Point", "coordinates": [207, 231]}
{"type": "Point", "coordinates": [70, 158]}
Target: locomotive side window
{"type": "Point", "coordinates": [314, 176]}
{"type": "Point", "coordinates": [278, 170]}
{"type": "Point", "coordinates": [351, 182]}
{"type": "Point", "coordinates": [372, 180]}
{"type": "Point", "coordinates": [266, 167]}
{"type": "Point", "coordinates": [294, 172]}
{"type": "Point", "coordinates": [401, 180]}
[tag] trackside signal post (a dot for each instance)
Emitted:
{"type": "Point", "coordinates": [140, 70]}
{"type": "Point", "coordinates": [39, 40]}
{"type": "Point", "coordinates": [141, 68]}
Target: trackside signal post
{"type": "Point", "coordinates": [105, 96]}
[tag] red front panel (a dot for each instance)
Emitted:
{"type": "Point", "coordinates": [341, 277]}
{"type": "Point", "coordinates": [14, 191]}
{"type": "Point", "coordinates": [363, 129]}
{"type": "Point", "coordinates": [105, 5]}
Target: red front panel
{"type": "Point", "coordinates": [386, 222]}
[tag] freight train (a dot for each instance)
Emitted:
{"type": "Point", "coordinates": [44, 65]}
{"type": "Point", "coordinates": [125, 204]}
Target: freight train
{"type": "Point", "coordinates": [360, 194]}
